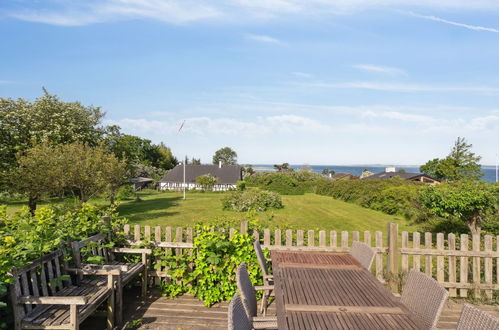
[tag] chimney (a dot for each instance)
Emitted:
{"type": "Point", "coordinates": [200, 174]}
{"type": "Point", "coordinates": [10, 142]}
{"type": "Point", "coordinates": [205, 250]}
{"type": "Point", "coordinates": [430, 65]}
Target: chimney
{"type": "Point", "coordinates": [219, 164]}
{"type": "Point", "coordinates": [390, 169]}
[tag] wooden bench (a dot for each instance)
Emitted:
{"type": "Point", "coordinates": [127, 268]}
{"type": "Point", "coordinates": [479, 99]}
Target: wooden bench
{"type": "Point", "coordinates": [95, 247]}
{"type": "Point", "coordinates": [43, 296]}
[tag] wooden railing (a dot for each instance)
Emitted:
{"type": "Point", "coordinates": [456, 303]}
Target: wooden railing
{"type": "Point", "coordinates": [397, 252]}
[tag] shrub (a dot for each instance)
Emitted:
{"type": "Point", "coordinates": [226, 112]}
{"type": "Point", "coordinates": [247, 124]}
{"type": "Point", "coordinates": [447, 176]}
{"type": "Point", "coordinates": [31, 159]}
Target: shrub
{"type": "Point", "coordinates": [257, 200]}
{"type": "Point", "coordinates": [394, 196]}
{"type": "Point", "coordinates": [209, 271]}
{"type": "Point", "coordinates": [25, 237]}
{"type": "Point", "coordinates": [207, 181]}
{"type": "Point", "coordinates": [241, 185]}
{"type": "Point", "coordinates": [125, 192]}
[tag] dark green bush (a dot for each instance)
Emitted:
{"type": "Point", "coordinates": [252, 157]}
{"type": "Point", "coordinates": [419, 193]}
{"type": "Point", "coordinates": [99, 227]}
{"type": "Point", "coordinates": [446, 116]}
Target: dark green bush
{"type": "Point", "coordinates": [125, 192]}
{"type": "Point", "coordinates": [285, 183]}
{"type": "Point", "coordinates": [254, 199]}
{"type": "Point", "coordinates": [394, 196]}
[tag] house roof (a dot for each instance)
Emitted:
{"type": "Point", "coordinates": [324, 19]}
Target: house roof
{"type": "Point", "coordinates": [407, 176]}
{"type": "Point", "coordinates": [141, 179]}
{"type": "Point", "coordinates": [227, 174]}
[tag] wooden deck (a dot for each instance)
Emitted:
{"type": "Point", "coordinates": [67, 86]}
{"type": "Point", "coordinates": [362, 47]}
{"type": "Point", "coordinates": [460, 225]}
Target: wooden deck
{"type": "Point", "coordinates": [186, 312]}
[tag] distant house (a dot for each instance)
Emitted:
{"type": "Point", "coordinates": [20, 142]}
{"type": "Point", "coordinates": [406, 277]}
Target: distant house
{"type": "Point", "coordinates": [390, 173]}
{"type": "Point", "coordinates": [140, 183]}
{"type": "Point", "coordinates": [342, 176]}
{"type": "Point", "coordinates": [227, 175]}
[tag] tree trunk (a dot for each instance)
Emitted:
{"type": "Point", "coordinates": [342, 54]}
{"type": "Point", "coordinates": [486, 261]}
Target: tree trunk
{"type": "Point", "coordinates": [32, 204]}
{"type": "Point", "coordinates": [474, 224]}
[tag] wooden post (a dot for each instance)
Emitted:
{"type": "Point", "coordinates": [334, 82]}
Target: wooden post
{"type": "Point", "coordinates": [244, 227]}
{"type": "Point", "coordinates": [463, 276]}
{"type": "Point", "coordinates": [488, 265]}
{"type": "Point", "coordinates": [452, 264]}
{"type": "Point", "coordinates": [392, 264]}
{"type": "Point", "coordinates": [74, 323]}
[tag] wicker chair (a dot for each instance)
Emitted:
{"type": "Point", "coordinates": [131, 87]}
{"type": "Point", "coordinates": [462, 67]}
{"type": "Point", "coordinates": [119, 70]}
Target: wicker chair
{"type": "Point", "coordinates": [238, 319]}
{"type": "Point", "coordinates": [473, 318]}
{"type": "Point", "coordinates": [424, 297]}
{"type": "Point", "coordinates": [363, 253]}
{"type": "Point", "coordinates": [268, 280]}
{"type": "Point", "coordinates": [248, 295]}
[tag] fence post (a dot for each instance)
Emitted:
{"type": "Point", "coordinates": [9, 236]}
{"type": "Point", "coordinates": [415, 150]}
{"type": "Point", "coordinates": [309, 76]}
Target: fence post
{"type": "Point", "coordinates": [244, 227]}
{"type": "Point", "coordinates": [392, 262]}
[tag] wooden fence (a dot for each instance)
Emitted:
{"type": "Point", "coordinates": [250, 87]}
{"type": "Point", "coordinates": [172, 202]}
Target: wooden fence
{"type": "Point", "coordinates": [457, 263]}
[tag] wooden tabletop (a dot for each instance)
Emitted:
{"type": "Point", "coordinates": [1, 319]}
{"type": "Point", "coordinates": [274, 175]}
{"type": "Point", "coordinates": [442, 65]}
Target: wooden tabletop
{"type": "Point", "coordinates": [341, 295]}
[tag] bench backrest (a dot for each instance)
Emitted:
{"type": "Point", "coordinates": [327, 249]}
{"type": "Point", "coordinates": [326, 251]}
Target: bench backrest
{"type": "Point", "coordinates": [93, 246]}
{"type": "Point", "coordinates": [45, 276]}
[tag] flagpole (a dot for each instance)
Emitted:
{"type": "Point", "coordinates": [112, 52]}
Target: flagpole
{"type": "Point", "coordinates": [185, 161]}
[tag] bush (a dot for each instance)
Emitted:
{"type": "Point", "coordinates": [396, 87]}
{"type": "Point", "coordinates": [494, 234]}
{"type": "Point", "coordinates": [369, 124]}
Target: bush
{"type": "Point", "coordinates": [125, 192]}
{"type": "Point", "coordinates": [25, 237]}
{"type": "Point", "coordinates": [240, 185]}
{"type": "Point", "coordinates": [257, 200]}
{"type": "Point", "coordinates": [394, 196]}
{"type": "Point", "coordinates": [209, 272]}
{"type": "Point", "coordinates": [284, 183]}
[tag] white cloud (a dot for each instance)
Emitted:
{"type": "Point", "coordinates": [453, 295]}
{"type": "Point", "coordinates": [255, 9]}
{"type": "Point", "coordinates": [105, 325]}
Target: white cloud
{"type": "Point", "coordinates": [84, 12]}
{"type": "Point", "coordinates": [466, 26]}
{"type": "Point", "coordinates": [263, 38]}
{"type": "Point", "coordinates": [380, 69]}
{"type": "Point", "coordinates": [402, 87]}
{"type": "Point", "coordinates": [78, 13]}
{"type": "Point", "coordinates": [301, 74]}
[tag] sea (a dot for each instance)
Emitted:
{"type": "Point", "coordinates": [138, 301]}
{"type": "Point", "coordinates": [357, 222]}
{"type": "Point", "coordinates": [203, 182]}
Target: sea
{"type": "Point", "coordinates": [489, 172]}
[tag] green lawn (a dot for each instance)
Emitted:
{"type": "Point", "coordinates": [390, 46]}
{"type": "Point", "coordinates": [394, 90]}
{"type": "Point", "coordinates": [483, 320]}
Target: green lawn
{"type": "Point", "coordinates": [307, 211]}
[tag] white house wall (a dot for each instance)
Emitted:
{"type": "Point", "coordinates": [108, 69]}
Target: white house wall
{"type": "Point", "coordinates": [193, 186]}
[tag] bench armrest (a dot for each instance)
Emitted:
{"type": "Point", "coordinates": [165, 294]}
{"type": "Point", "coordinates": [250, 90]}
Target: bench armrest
{"type": "Point", "coordinates": [130, 250]}
{"type": "Point", "coordinates": [94, 271]}
{"type": "Point", "coordinates": [264, 287]}
{"type": "Point", "coordinates": [54, 300]}
{"type": "Point", "coordinates": [90, 267]}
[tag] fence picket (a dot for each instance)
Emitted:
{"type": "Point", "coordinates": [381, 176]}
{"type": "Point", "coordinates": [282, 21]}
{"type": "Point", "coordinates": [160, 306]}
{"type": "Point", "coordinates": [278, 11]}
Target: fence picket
{"type": "Point", "coordinates": [322, 238]}
{"type": "Point", "coordinates": [355, 236]}
{"type": "Point", "coordinates": [440, 259]}
{"type": "Point", "coordinates": [463, 276]}
{"type": "Point", "coordinates": [428, 245]}
{"type": "Point", "coordinates": [405, 257]}
{"type": "Point", "coordinates": [277, 237]}
{"type": "Point", "coordinates": [367, 237]}
{"type": "Point", "coordinates": [476, 264]}
{"type": "Point", "coordinates": [311, 238]}
{"type": "Point", "coordinates": [416, 244]}
{"type": "Point", "coordinates": [266, 236]}
{"type": "Point", "coordinates": [379, 256]}
{"type": "Point", "coordinates": [344, 239]}
{"type": "Point", "coordinates": [488, 265]}
{"type": "Point", "coordinates": [147, 233]}
{"type": "Point", "coordinates": [299, 238]}
{"type": "Point", "coordinates": [136, 233]}
{"type": "Point", "coordinates": [452, 264]}
{"type": "Point", "coordinates": [333, 239]}
{"type": "Point", "coordinates": [289, 237]}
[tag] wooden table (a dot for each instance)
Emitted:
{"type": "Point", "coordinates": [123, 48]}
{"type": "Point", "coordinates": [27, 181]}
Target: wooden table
{"type": "Point", "coordinates": [317, 290]}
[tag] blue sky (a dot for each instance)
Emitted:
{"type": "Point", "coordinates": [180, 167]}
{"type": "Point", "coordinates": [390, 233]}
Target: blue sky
{"type": "Point", "coordinates": [299, 81]}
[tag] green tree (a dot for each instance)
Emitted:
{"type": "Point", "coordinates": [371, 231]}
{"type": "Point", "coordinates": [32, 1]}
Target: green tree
{"type": "Point", "coordinates": [75, 167]}
{"type": "Point", "coordinates": [284, 167]}
{"type": "Point", "coordinates": [24, 124]}
{"type": "Point", "coordinates": [225, 155]}
{"type": "Point", "coordinates": [431, 168]}
{"type": "Point", "coordinates": [460, 164]}
{"type": "Point", "coordinates": [467, 201]}
{"type": "Point", "coordinates": [37, 174]}
{"type": "Point", "coordinates": [207, 181]}
{"type": "Point", "coordinates": [91, 170]}
{"type": "Point", "coordinates": [196, 161]}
